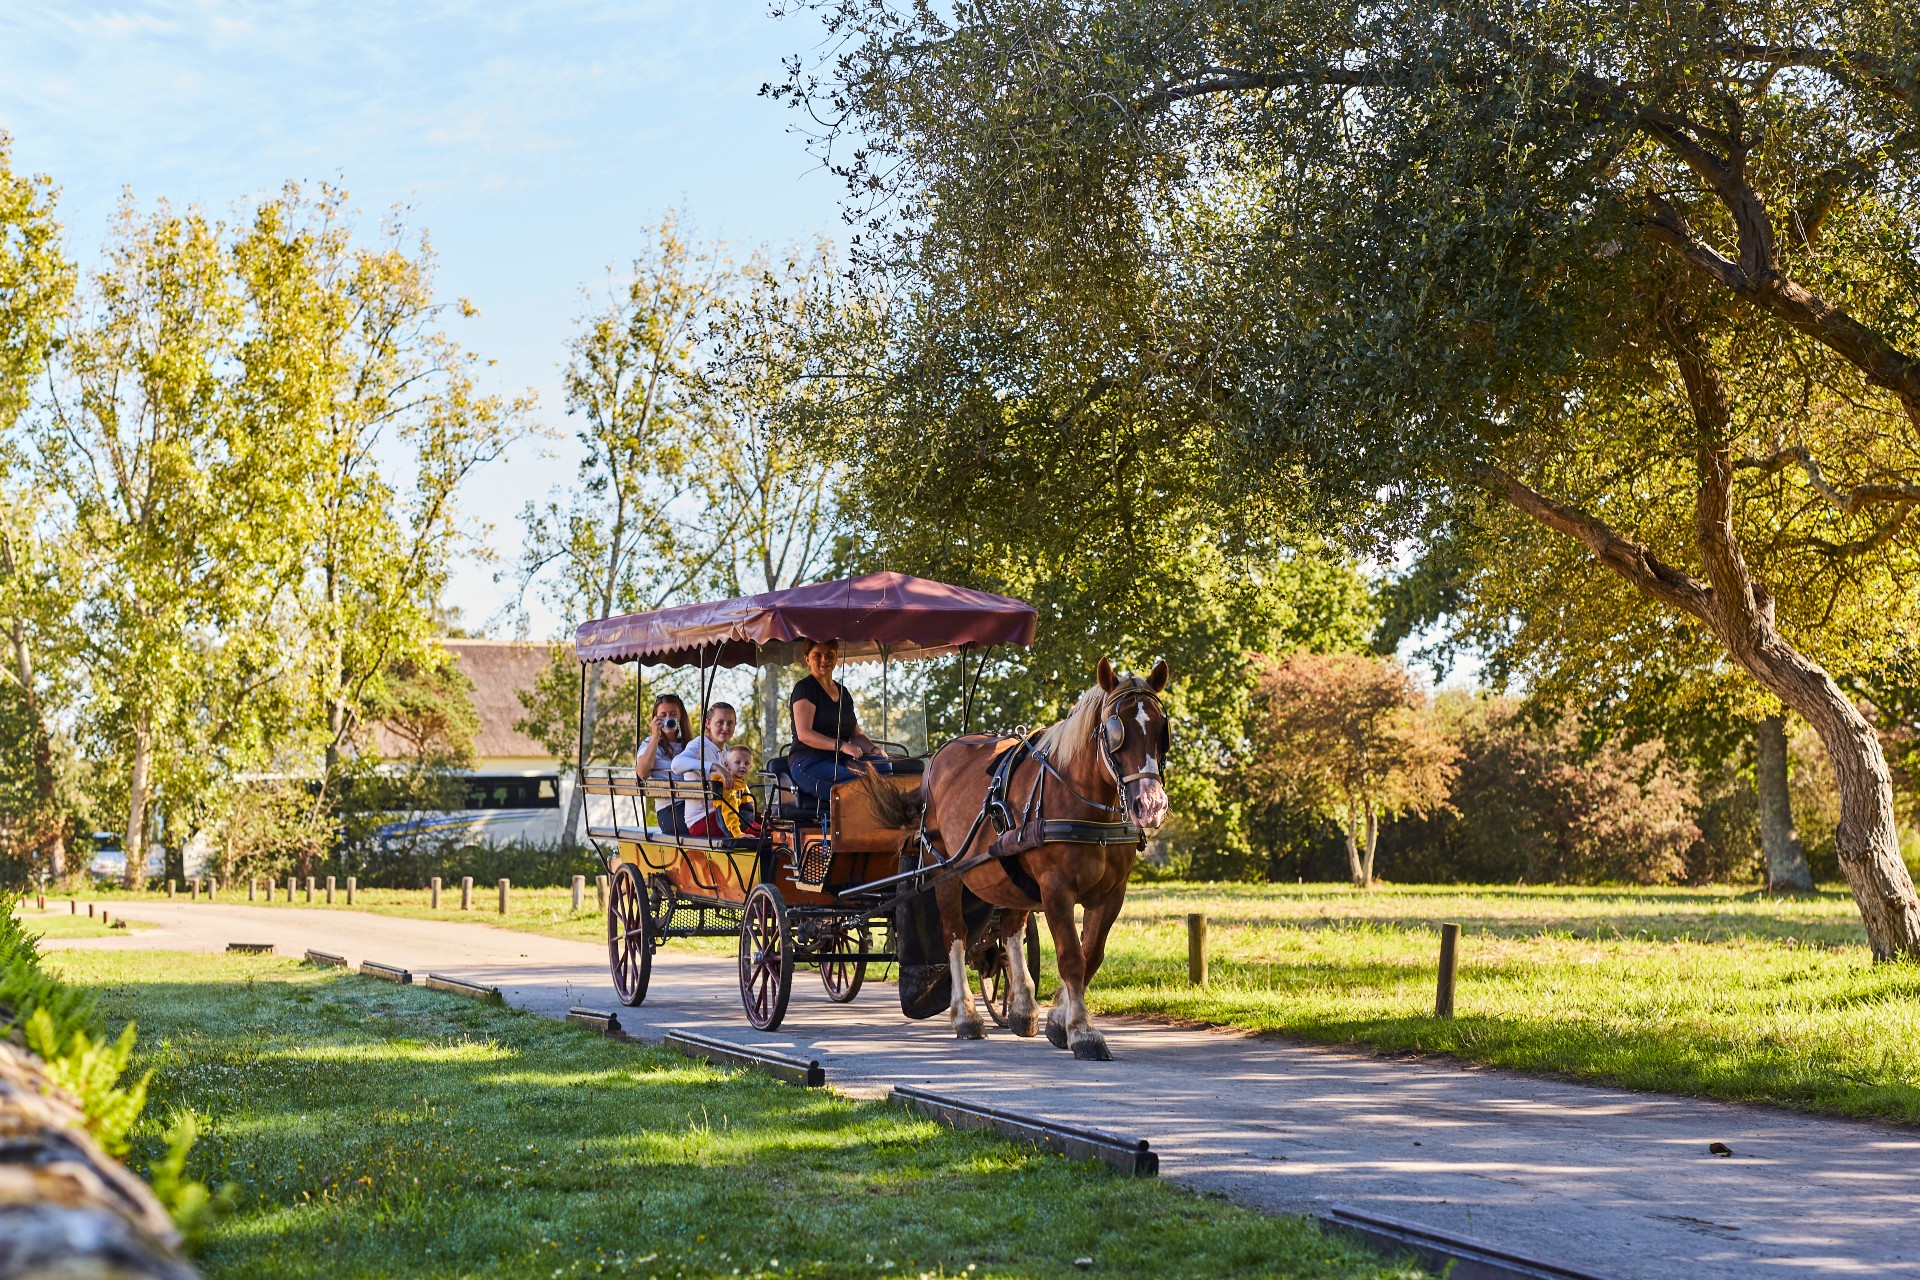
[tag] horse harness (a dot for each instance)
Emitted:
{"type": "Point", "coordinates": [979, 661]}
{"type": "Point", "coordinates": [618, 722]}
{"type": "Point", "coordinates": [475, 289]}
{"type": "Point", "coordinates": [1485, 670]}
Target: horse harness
{"type": "Point", "coordinates": [1030, 830]}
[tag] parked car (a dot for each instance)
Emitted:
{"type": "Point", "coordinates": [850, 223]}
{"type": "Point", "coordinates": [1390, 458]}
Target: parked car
{"type": "Point", "coordinates": [109, 861]}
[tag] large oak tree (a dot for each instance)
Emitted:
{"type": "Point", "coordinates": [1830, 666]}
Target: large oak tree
{"type": "Point", "coordinates": [1401, 252]}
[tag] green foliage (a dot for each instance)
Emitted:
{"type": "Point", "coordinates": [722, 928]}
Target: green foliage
{"type": "Point", "coordinates": [191, 1204]}
{"type": "Point", "coordinates": [91, 1072]}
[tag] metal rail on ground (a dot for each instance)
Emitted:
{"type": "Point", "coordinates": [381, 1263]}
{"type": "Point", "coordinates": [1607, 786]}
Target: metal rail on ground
{"type": "Point", "coordinates": [1459, 1257]}
{"type": "Point", "coordinates": [1129, 1155]}
{"type": "Point", "coordinates": [801, 1071]}
{"type": "Point", "coordinates": [385, 972]}
{"type": "Point", "coordinates": [461, 987]}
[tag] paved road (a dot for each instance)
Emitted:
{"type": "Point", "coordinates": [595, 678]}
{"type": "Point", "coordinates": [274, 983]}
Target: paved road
{"type": "Point", "coordinates": [1621, 1183]}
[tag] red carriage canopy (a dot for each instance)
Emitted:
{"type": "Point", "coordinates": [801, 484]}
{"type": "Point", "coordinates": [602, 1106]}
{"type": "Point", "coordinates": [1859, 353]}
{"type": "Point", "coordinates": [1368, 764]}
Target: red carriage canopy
{"type": "Point", "coordinates": [879, 614]}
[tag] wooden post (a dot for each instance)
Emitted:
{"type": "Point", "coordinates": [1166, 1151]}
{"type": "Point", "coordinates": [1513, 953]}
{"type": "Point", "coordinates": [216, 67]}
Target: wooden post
{"type": "Point", "coordinates": [73, 906]}
{"type": "Point", "coordinates": [193, 889]}
{"type": "Point", "coordinates": [1449, 967]}
{"type": "Point", "coordinates": [253, 887]}
{"type": "Point", "coordinates": [433, 893]}
{"type": "Point", "coordinates": [1197, 949]}
{"type": "Point", "coordinates": [352, 884]}
{"type": "Point", "coordinates": [505, 884]}
{"type": "Point", "coordinates": [169, 889]}
{"type": "Point", "coordinates": [293, 887]}
{"type": "Point", "coordinates": [40, 900]}
{"type": "Point", "coordinates": [579, 892]}
{"type": "Point", "coordinates": [466, 893]}
{"type": "Point", "coordinates": [329, 890]}
{"type": "Point", "coordinates": [89, 911]}
{"type": "Point", "coordinates": [213, 887]}
{"type": "Point", "coordinates": [600, 891]}
{"type": "Point", "coordinates": [309, 888]}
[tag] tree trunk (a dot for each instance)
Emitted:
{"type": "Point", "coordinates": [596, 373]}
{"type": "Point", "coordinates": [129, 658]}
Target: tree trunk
{"type": "Point", "coordinates": [136, 844]}
{"type": "Point", "coordinates": [589, 717]}
{"type": "Point", "coordinates": [770, 735]}
{"type": "Point", "coordinates": [1786, 863]}
{"type": "Point", "coordinates": [1741, 613]}
{"type": "Point", "coordinates": [1373, 842]}
{"type": "Point", "coordinates": [1360, 872]}
{"type": "Point", "coordinates": [46, 786]}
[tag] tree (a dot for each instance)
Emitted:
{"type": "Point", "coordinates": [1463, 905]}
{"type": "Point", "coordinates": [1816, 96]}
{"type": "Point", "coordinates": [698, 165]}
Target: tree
{"type": "Point", "coordinates": [780, 337]}
{"type": "Point", "coordinates": [1353, 739]}
{"type": "Point", "coordinates": [36, 284]}
{"type": "Point", "coordinates": [345, 357]}
{"type": "Point", "coordinates": [1534, 253]}
{"type": "Point", "coordinates": [646, 520]}
{"type": "Point", "coordinates": [178, 510]}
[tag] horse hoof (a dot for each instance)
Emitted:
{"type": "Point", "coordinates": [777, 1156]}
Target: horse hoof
{"type": "Point", "coordinates": [1056, 1035]}
{"type": "Point", "coordinates": [1093, 1049]}
{"type": "Point", "coordinates": [975, 1030]}
{"type": "Point", "coordinates": [1027, 1030]}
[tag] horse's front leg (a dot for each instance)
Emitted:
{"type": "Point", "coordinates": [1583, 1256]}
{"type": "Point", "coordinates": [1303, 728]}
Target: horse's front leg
{"type": "Point", "coordinates": [966, 1019]}
{"type": "Point", "coordinates": [1068, 1026]}
{"type": "Point", "coordinates": [1023, 1005]}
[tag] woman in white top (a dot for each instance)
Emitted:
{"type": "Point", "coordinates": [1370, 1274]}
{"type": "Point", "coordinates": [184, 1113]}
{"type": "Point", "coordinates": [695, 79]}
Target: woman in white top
{"type": "Point", "coordinates": [701, 761]}
{"type": "Point", "coordinates": [654, 757]}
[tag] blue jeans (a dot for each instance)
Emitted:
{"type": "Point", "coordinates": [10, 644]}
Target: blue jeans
{"type": "Point", "coordinates": [816, 776]}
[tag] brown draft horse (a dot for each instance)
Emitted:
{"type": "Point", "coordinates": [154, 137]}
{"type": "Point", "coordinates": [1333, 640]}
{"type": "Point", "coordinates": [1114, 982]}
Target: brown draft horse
{"type": "Point", "coordinates": [1102, 766]}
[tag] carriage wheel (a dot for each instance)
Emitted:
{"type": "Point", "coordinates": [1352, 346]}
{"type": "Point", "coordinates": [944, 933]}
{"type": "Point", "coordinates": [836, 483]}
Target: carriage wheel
{"type": "Point", "coordinates": [842, 978]}
{"type": "Point", "coordinates": [629, 937]}
{"type": "Point", "coordinates": [766, 957]}
{"type": "Point", "coordinates": [995, 991]}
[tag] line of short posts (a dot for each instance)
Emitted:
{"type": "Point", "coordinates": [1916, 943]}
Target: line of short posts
{"type": "Point", "coordinates": [1197, 949]}
{"type": "Point", "coordinates": [1449, 969]}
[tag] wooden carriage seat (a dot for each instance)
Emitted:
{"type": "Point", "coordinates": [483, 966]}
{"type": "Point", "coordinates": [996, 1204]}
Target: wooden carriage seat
{"type": "Point", "coordinates": [854, 828]}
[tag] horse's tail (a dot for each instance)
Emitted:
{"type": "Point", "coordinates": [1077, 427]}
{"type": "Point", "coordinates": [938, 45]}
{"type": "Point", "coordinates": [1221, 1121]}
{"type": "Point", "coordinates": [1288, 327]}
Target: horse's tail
{"type": "Point", "coordinates": [894, 809]}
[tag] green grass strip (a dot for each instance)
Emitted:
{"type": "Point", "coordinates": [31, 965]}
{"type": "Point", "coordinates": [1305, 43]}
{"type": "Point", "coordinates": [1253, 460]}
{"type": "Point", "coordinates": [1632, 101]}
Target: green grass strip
{"type": "Point", "coordinates": [379, 1131]}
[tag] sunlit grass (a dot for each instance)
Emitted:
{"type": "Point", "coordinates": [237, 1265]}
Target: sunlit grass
{"type": "Point", "coordinates": [372, 1130]}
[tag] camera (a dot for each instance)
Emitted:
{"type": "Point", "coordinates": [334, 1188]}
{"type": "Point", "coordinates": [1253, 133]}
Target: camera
{"type": "Point", "coordinates": [671, 724]}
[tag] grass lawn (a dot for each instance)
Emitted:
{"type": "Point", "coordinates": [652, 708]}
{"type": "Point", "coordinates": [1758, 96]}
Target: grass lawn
{"type": "Point", "coordinates": [1717, 992]}
{"type": "Point", "coordinates": [373, 1130]}
{"type": "Point", "coordinates": [1703, 991]}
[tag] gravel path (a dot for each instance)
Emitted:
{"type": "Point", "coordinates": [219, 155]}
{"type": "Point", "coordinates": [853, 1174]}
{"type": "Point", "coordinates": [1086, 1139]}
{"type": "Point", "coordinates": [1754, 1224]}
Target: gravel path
{"type": "Point", "coordinates": [1616, 1182]}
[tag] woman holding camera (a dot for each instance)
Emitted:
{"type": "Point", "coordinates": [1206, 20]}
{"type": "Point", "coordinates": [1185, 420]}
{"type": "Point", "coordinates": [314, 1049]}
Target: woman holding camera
{"type": "Point", "coordinates": [827, 741]}
{"type": "Point", "coordinates": [667, 739]}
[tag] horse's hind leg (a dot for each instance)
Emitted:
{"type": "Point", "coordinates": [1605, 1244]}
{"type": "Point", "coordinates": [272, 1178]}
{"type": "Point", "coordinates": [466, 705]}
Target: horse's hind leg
{"type": "Point", "coordinates": [1068, 1026]}
{"type": "Point", "coordinates": [967, 1022]}
{"type": "Point", "coordinates": [1023, 1013]}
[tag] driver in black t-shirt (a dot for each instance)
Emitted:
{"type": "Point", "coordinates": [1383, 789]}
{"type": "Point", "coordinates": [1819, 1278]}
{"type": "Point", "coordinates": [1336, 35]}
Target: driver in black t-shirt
{"type": "Point", "coordinates": [827, 741]}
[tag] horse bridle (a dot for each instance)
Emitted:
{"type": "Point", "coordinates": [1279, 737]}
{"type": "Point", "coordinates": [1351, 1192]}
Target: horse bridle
{"type": "Point", "coordinates": [1113, 735]}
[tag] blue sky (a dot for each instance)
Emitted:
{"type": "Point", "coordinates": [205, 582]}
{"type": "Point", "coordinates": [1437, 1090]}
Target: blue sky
{"type": "Point", "coordinates": [536, 143]}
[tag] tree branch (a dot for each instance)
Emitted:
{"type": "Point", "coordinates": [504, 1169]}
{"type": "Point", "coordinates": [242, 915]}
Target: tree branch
{"type": "Point", "coordinates": [1631, 560]}
{"type": "Point", "coordinates": [1846, 501]}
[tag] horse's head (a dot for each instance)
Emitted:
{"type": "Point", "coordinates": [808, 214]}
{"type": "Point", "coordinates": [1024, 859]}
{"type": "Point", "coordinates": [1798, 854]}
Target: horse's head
{"type": "Point", "coordinates": [1134, 740]}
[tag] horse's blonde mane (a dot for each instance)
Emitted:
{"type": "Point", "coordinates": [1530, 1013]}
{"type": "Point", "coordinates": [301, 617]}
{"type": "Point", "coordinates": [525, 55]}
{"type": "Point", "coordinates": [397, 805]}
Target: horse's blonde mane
{"type": "Point", "coordinates": [1065, 742]}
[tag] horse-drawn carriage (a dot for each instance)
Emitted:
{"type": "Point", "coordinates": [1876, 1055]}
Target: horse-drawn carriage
{"type": "Point", "coordinates": [847, 884]}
